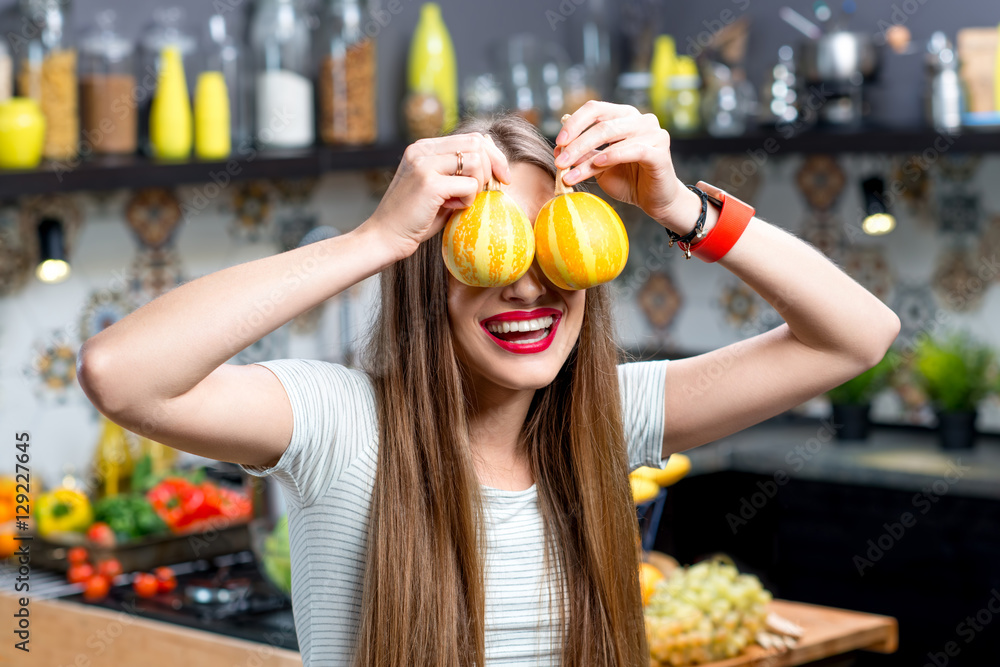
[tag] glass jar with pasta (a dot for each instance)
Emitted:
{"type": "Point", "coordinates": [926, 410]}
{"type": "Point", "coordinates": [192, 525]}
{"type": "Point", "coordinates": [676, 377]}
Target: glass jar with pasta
{"type": "Point", "coordinates": [46, 72]}
{"type": "Point", "coordinates": [346, 79]}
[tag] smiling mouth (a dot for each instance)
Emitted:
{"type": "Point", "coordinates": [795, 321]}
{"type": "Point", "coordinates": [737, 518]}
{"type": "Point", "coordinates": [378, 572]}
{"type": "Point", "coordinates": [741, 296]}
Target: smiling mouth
{"type": "Point", "coordinates": [522, 331]}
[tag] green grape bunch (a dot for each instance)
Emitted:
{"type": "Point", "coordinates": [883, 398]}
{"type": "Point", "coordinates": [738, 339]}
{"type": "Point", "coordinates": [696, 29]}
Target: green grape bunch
{"type": "Point", "coordinates": [703, 613]}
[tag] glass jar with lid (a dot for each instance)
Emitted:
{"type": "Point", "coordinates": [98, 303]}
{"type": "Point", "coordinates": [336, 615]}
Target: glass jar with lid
{"type": "Point", "coordinates": [107, 83]}
{"type": "Point", "coordinates": [47, 73]}
{"type": "Point", "coordinates": [166, 30]}
{"type": "Point", "coordinates": [347, 75]}
{"type": "Point", "coordinates": [224, 54]}
{"type": "Point", "coordinates": [280, 42]}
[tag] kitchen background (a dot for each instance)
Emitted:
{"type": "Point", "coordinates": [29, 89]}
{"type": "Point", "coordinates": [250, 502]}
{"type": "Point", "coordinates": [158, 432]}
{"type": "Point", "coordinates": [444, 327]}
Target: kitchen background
{"type": "Point", "coordinates": [135, 228]}
{"type": "Point", "coordinates": [126, 246]}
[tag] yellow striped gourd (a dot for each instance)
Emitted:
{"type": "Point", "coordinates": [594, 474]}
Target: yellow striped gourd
{"type": "Point", "coordinates": [580, 241]}
{"type": "Point", "coordinates": [489, 244]}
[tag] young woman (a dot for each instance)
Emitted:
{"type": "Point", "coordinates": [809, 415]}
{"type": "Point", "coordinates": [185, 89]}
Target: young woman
{"type": "Point", "coordinates": [463, 499]}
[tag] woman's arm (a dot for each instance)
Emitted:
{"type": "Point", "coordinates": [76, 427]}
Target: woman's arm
{"type": "Point", "coordinates": [834, 329]}
{"type": "Point", "coordinates": [161, 371]}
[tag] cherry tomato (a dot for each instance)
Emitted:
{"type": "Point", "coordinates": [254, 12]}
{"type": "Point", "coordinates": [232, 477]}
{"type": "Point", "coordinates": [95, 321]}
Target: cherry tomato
{"type": "Point", "coordinates": [97, 588]}
{"type": "Point", "coordinates": [76, 555]}
{"type": "Point", "coordinates": [79, 573]}
{"type": "Point", "coordinates": [145, 585]}
{"type": "Point", "coordinates": [101, 534]}
{"type": "Point", "coordinates": [165, 579]}
{"type": "Point", "coordinates": [110, 568]}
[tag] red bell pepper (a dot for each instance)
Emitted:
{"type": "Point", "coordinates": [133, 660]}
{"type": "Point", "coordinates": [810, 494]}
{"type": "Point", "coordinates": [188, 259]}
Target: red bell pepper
{"type": "Point", "coordinates": [179, 503]}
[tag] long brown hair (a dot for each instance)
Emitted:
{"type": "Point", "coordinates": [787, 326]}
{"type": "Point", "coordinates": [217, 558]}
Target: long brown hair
{"type": "Point", "coordinates": [424, 600]}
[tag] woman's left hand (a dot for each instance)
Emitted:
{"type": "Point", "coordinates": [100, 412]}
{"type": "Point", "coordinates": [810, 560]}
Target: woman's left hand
{"type": "Point", "coordinates": [635, 167]}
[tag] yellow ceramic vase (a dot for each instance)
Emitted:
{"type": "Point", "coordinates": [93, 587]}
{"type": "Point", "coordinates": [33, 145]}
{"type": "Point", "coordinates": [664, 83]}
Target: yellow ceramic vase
{"type": "Point", "coordinates": [170, 114]}
{"type": "Point", "coordinates": [211, 117]}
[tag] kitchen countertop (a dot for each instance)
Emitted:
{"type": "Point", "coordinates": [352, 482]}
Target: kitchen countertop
{"type": "Point", "coordinates": [894, 458]}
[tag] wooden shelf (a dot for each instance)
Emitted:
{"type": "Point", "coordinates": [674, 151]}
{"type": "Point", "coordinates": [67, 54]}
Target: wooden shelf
{"type": "Point", "coordinates": [133, 171]}
{"type": "Point", "coordinates": [866, 140]}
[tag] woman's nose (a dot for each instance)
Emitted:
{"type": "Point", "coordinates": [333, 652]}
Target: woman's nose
{"type": "Point", "coordinates": [529, 287]}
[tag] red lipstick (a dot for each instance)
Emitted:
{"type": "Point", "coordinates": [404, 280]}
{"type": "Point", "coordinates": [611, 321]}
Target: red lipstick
{"type": "Point", "coordinates": [518, 315]}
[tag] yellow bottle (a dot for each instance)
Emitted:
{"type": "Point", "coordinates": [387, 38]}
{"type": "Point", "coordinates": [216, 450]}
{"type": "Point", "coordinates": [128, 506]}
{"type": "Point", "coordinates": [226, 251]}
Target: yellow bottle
{"type": "Point", "coordinates": [661, 69]}
{"type": "Point", "coordinates": [211, 117]}
{"type": "Point", "coordinates": [685, 106]}
{"type": "Point", "coordinates": [113, 462]}
{"type": "Point", "coordinates": [170, 114]}
{"type": "Point", "coordinates": [432, 69]}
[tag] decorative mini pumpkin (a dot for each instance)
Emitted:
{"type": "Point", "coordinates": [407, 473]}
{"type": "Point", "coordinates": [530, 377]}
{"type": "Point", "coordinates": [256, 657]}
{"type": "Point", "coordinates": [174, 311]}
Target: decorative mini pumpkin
{"type": "Point", "coordinates": [580, 241]}
{"type": "Point", "coordinates": [489, 244]}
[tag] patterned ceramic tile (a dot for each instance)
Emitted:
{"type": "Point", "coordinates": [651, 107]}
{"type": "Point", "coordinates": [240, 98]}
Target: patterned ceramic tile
{"type": "Point", "coordinates": [868, 265]}
{"type": "Point", "coordinates": [989, 250]}
{"type": "Point", "coordinates": [307, 323]}
{"type": "Point", "coordinates": [295, 192]}
{"type": "Point", "coordinates": [959, 211]}
{"type": "Point", "coordinates": [251, 210]}
{"type": "Point", "coordinates": [745, 310]}
{"type": "Point", "coordinates": [292, 227]}
{"type": "Point", "coordinates": [914, 304]}
{"type": "Point", "coordinates": [959, 168]}
{"type": "Point", "coordinates": [660, 301]}
{"type": "Point", "coordinates": [153, 272]}
{"type": "Point", "coordinates": [15, 256]}
{"type": "Point", "coordinates": [914, 176]}
{"type": "Point", "coordinates": [741, 176]}
{"type": "Point", "coordinates": [821, 181]}
{"type": "Point", "coordinates": [53, 369]}
{"type": "Point", "coordinates": [104, 308]}
{"type": "Point", "coordinates": [955, 282]}
{"type": "Point", "coordinates": [153, 215]}
{"type": "Point", "coordinates": [825, 232]}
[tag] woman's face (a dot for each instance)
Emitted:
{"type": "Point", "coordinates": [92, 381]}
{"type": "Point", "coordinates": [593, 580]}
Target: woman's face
{"type": "Point", "coordinates": [542, 321]}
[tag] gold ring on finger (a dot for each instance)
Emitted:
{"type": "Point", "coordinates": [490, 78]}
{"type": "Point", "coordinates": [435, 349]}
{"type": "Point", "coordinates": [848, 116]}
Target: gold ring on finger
{"type": "Point", "coordinates": [458, 171]}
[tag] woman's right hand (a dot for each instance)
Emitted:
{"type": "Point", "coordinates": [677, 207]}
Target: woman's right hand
{"type": "Point", "coordinates": [425, 190]}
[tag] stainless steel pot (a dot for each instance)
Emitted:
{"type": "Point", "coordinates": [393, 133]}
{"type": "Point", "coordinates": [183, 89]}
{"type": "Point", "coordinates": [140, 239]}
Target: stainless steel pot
{"type": "Point", "coordinates": [839, 57]}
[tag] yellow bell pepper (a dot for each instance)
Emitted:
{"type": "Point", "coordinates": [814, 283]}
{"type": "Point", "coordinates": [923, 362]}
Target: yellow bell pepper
{"type": "Point", "coordinates": [63, 510]}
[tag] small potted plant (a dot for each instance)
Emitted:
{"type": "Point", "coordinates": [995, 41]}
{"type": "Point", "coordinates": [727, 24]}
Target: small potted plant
{"type": "Point", "coordinates": [956, 373]}
{"type": "Point", "coordinates": [852, 401]}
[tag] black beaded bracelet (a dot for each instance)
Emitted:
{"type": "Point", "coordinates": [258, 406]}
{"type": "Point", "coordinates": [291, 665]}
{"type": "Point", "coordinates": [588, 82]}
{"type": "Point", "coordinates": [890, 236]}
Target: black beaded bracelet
{"type": "Point", "coordinates": [685, 242]}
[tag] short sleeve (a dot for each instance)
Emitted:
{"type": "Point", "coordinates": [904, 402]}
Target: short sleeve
{"type": "Point", "coordinates": [642, 386]}
{"type": "Point", "coordinates": [333, 420]}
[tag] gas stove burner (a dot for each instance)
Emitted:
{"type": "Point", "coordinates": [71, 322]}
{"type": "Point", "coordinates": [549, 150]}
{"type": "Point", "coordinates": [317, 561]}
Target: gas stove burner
{"type": "Point", "coordinates": [201, 592]}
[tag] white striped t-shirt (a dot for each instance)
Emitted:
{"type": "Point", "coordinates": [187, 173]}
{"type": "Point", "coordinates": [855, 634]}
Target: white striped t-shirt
{"type": "Point", "coordinates": [327, 474]}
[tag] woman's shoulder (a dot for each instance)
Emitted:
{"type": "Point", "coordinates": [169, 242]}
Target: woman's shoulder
{"type": "Point", "coordinates": [315, 376]}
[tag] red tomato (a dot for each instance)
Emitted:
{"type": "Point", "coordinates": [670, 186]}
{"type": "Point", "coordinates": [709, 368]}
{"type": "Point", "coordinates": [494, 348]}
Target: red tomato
{"type": "Point", "coordinates": [97, 588]}
{"type": "Point", "coordinates": [110, 568]}
{"type": "Point", "coordinates": [76, 555]}
{"type": "Point", "coordinates": [101, 534]}
{"type": "Point", "coordinates": [165, 579]}
{"type": "Point", "coordinates": [79, 573]}
{"type": "Point", "coordinates": [145, 585]}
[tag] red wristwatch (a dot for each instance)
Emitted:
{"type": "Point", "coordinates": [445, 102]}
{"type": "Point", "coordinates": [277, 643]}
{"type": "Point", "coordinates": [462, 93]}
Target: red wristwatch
{"type": "Point", "coordinates": [734, 216]}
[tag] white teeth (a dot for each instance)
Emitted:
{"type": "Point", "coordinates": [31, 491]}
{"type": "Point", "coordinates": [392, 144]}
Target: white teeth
{"type": "Point", "coordinates": [520, 325]}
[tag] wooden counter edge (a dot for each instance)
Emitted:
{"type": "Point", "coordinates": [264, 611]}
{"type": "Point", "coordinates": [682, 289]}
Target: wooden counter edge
{"type": "Point", "coordinates": [61, 627]}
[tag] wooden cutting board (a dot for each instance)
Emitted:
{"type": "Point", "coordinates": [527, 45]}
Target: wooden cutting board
{"type": "Point", "coordinates": [828, 632]}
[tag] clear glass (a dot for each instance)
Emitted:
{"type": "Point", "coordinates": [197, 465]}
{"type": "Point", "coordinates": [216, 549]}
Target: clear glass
{"type": "Point", "coordinates": [47, 73]}
{"type": "Point", "coordinates": [167, 28]}
{"type": "Point", "coordinates": [283, 75]}
{"type": "Point", "coordinates": [347, 76]}
{"type": "Point", "coordinates": [222, 52]}
{"type": "Point", "coordinates": [107, 83]}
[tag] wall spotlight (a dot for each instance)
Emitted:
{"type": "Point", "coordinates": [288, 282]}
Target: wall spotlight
{"type": "Point", "coordinates": [52, 264]}
{"type": "Point", "coordinates": [878, 220]}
